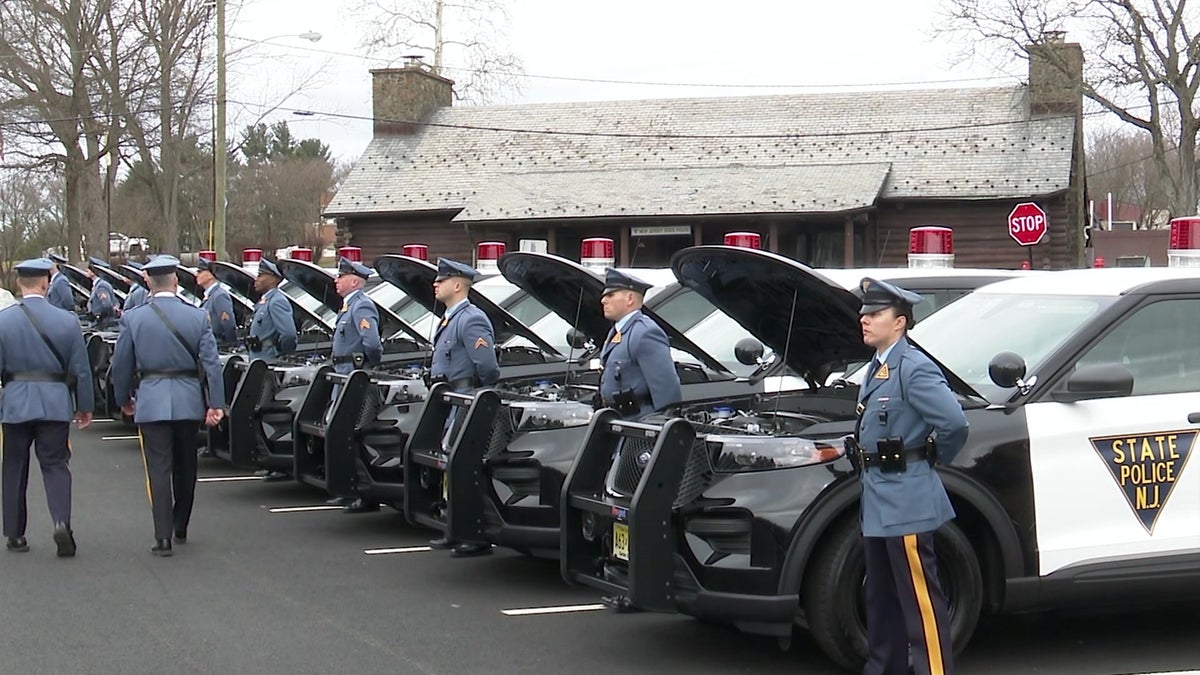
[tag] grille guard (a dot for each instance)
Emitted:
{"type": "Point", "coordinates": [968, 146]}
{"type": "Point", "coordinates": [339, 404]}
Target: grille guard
{"type": "Point", "coordinates": [324, 454]}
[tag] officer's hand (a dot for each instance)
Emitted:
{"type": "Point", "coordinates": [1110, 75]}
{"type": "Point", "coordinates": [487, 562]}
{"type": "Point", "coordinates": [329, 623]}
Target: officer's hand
{"type": "Point", "coordinates": [213, 417]}
{"type": "Point", "coordinates": [83, 419]}
{"type": "Point", "coordinates": [127, 408]}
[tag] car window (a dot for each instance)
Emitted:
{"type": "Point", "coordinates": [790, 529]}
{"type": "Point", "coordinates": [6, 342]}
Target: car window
{"type": "Point", "coordinates": [1158, 344]}
{"type": "Point", "coordinates": [683, 310]}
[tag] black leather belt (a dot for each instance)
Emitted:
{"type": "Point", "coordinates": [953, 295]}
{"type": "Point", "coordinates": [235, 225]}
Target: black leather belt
{"type": "Point", "coordinates": [168, 375]}
{"type": "Point", "coordinates": [339, 360]}
{"type": "Point", "coordinates": [879, 459]}
{"type": "Point", "coordinates": [462, 384]}
{"type": "Point", "coordinates": [34, 376]}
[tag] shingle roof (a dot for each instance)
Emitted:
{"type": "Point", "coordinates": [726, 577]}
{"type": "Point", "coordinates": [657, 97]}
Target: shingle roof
{"type": "Point", "coordinates": [940, 143]}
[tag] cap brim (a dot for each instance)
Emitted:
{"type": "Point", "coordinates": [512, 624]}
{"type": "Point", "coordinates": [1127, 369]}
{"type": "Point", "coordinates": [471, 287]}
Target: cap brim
{"type": "Point", "coordinates": [871, 309]}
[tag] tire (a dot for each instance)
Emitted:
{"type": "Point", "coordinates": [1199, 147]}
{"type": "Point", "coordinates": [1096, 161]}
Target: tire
{"type": "Point", "coordinates": [832, 592]}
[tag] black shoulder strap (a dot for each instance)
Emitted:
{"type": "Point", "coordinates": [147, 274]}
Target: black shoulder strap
{"type": "Point", "coordinates": [45, 338]}
{"type": "Point", "coordinates": [174, 331]}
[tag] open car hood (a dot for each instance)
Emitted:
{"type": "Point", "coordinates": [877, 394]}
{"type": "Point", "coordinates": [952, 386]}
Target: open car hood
{"type": "Point", "coordinates": [80, 278]}
{"type": "Point", "coordinates": [243, 308]}
{"type": "Point", "coordinates": [415, 277]}
{"type": "Point", "coordinates": [240, 282]}
{"type": "Point", "coordinates": [319, 283]}
{"type": "Point", "coordinates": [573, 292]}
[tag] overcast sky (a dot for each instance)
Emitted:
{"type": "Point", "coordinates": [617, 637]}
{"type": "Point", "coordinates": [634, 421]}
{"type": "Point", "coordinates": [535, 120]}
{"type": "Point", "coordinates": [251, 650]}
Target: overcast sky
{"type": "Point", "coordinates": [865, 44]}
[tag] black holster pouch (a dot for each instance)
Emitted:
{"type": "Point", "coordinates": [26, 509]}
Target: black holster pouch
{"type": "Point", "coordinates": [431, 380]}
{"type": "Point", "coordinates": [854, 453]}
{"type": "Point", "coordinates": [626, 403]}
{"type": "Point", "coordinates": [254, 343]}
{"type": "Point", "coordinates": [931, 453]}
{"type": "Point", "coordinates": [891, 455]}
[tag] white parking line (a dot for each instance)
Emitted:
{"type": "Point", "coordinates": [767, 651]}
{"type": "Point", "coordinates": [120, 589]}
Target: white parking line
{"type": "Point", "coordinates": [227, 479]}
{"type": "Point", "coordinates": [404, 549]}
{"type": "Point", "coordinates": [561, 609]}
{"type": "Point", "coordinates": [119, 438]}
{"type": "Point", "coordinates": [303, 509]}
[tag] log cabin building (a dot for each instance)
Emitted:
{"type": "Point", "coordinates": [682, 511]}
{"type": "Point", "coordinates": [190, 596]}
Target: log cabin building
{"type": "Point", "coordinates": [834, 180]}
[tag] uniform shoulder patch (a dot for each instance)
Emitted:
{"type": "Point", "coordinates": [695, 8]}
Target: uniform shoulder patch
{"type": "Point", "coordinates": [1146, 468]}
{"type": "Point", "coordinates": [364, 324]}
{"type": "Point", "coordinates": [480, 342]}
{"type": "Point", "coordinates": [224, 316]}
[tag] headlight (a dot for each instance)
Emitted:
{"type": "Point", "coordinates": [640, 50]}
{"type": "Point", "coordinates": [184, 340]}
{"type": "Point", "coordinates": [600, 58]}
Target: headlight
{"type": "Point", "coordinates": [734, 454]}
{"type": "Point", "coordinates": [538, 416]}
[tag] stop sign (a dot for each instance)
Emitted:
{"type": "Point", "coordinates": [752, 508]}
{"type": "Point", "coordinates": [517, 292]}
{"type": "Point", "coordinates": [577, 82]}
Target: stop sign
{"type": "Point", "coordinates": [1027, 223]}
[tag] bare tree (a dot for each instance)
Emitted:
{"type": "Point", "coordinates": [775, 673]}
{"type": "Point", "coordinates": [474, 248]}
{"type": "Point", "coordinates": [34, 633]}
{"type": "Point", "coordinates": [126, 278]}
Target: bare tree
{"type": "Point", "coordinates": [31, 216]}
{"type": "Point", "coordinates": [1120, 163]}
{"type": "Point", "coordinates": [466, 38]}
{"type": "Point", "coordinates": [1143, 66]}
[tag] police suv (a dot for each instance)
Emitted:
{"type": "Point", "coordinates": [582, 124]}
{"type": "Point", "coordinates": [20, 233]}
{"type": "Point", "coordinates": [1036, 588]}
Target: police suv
{"type": "Point", "coordinates": [1083, 397]}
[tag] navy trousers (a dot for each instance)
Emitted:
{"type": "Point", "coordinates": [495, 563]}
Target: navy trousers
{"type": "Point", "coordinates": [906, 609]}
{"type": "Point", "coordinates": [169, 449]}
{"type": "Point", "coordinates": [50, 443]}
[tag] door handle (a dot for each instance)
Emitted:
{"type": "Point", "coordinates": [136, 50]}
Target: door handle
{"type": "Point", "coordinates": [1194, 418]}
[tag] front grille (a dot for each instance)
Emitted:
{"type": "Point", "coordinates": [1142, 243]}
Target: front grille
{"type": "Point", "coordinates": [629, 469]}
{"type": "Point", "coordinates": [372, 403]}
{"type": "Point", "coordinates": [270, 385]}
{"type": "Point", "coordinates": [503, 429]}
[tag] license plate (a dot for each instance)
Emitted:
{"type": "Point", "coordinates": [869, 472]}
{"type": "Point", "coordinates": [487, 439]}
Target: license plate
{"type": "Point", "coordinates": [620, 541]}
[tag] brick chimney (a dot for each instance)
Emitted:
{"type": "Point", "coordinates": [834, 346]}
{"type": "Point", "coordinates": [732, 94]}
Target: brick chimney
{"type": "Point", "coordinates": [1055, 76]}
{"type": "Point", "coordinates": [402, 98]}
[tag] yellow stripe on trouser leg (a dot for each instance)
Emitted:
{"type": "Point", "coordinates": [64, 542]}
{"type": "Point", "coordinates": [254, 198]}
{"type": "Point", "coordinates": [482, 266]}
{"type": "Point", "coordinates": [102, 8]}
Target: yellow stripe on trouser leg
{"type": "Point", "coordinates": [933, 644]}
{"type": "Point", "coordinates": [145, 466]}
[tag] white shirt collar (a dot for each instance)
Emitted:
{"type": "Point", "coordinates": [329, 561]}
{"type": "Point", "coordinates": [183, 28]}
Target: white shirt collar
{"type": "Point", "coordinates": [882, 356]}
{"type": "Point", "coordinates": [450, 309]}
{"type": "Point", "coordinates": [624, 321]}
{"type": "Point", "coordinates": [164, 294]}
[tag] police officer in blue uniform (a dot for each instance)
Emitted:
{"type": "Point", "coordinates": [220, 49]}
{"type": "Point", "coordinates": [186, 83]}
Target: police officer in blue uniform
{"type": "Point", "coordinates": [356, 340]}
{"type": "Point", "coordinates": [464, 354]}
{"type": "Point", "coordinates": [168, 346]}
{"type": "Point", "coordinates": [102, 304]}
{"type": "Point", "coordinates": [909, 420]}
{"type": "Point", "coordinates": [137, 292]}
{"type": "Point", "coordinates": [638, 375]}
{"type": "Point", "coordinates": [273, 329]}
{"type": "Point", "coordinates": [42, 358]}
{"type": "Point", "coordinates": [60, 294]}
{"type": "Point", "coordinates": [218, 304]}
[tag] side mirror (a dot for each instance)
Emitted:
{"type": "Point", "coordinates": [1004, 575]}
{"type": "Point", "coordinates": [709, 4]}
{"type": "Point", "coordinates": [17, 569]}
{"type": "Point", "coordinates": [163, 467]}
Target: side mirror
{"type": "Point", "coordinates": [1006, 369]}
{"type": "Point", "coordinates": [748, 351]}
{"type": "Point", "coordinates": [576, 338]}
{"type": "Point", "coordinates": [1098, 380]}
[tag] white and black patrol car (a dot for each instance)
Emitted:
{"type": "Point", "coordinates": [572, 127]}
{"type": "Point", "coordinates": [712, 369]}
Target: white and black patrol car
{"type": "Point", "coordinates": [1082, 389]}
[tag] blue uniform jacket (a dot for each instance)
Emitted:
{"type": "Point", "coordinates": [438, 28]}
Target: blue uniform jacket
{"type": "Point", "coordinates": [465, 348]}
{"type": "Point", "coordinates": [640, 360]}
{"type": "Point", "coordinates": [910, 400]}
{"type": "Point", "coordinates": [357, 331]}
{"type": "Point", "coordinates": [22, 349]}
{"type": "Point", "coordinates": [219, 306]}
{"type": "Point", "coordinates": [146, 343]}
{"type": "Point", "coordinates": [102, 302]}
{"type": "Point", "coordinates": [60, 294]}
{"type": "Point", "coordinates": [136, 298]}
{"type": "Point", "coordinates": [274, 324]}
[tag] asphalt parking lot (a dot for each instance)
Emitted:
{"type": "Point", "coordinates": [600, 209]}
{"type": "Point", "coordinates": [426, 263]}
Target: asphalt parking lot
{"type": "Point", "coordinates": [263, 588]}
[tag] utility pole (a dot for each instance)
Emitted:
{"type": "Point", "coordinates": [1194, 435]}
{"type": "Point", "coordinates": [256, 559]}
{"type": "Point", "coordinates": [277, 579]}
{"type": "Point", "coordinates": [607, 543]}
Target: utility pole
{"type": "Point", "coordinates": [219, 157]}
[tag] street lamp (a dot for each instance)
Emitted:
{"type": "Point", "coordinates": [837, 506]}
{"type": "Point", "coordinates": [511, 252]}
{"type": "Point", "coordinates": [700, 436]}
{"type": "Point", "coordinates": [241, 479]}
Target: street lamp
{"type": "Point", "coordinates": [219, 158]}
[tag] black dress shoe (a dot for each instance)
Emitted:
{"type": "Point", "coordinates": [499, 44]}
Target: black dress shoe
{"type": "Point", "coordinates": [275, 477]}
{"type": "Point", "coordinates": [340, 501]}
{"type": "Point", "coordinates": [360, 506]}
{"type": "Point", "coordinates": [162, 548]}
{"type": "Point", "coordinates": [181, 536]}
{"type": "Point", "coordinates": [205, 452]}
{"type": "Point", "coordinates": [442, 543]}
{"type": "Point", "coordinates": [17, 544]}
{"type": "Point", "coordinates": [470, 550]}
{"type": "Point", "coordinates": [64, 539]}
{"type": "Point", "coordinates": [621, 603]}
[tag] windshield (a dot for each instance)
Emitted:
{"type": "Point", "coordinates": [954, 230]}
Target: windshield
{"type": "Point", "coordinates": [717, 334]}
{"type": "Point", "coordinates": [308, 302]}
{"type": "Point", "coordinates": [967, 333]}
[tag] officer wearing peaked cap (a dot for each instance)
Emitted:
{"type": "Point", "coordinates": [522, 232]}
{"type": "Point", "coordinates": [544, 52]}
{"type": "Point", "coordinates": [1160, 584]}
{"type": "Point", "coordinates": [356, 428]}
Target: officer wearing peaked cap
{"type": "Point", "coordinates": [464, 354]}
{"type": "Point", "coordinates": [218, 304]}
{"type": "Point", "coordinates": [638, 373]}
{"type": "Point", "coordinates": [909, 419]}
{"type": "Point", "coordinates": [356, 340]}
{"type": "Point", "coordinates": [166, 374]}
{"type": "Point", "coordinates": [137, 292]}
{"type": "Point", "coordinates": [42, 358]}
{"type": "Point", "coordinates": [60, 294]}
{"type": "Point", "coordinates": [102, 304]}
{"type": "Point", "coordinates": [273, 328]}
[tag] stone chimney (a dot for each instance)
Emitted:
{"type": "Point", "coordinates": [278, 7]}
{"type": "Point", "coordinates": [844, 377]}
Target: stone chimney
{"type": "Point", "coordinates": [402, 98]}
{"type": "Point", "coordinates": [1055, 76]}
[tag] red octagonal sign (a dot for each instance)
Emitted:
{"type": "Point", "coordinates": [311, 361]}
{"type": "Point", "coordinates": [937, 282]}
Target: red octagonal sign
{"type": "Point", "coordinates": [1027, 224]}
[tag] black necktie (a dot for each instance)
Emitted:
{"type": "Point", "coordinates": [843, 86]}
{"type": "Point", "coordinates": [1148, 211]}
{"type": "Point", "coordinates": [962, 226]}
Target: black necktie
{"type": "Point", "coordinates": [874, 367]}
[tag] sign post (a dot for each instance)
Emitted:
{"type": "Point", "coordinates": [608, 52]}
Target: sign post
{"type": "Point", "coordinates": [1027, 225]}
